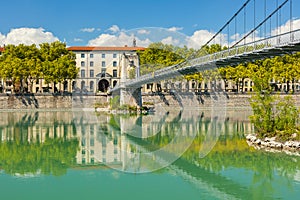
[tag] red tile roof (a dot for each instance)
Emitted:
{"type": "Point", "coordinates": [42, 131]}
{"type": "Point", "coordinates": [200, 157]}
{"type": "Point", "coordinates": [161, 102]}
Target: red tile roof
{"type": "Point", "coordinates": [1, 49]}
{"type": "Point", "coordinates": [90, 48]}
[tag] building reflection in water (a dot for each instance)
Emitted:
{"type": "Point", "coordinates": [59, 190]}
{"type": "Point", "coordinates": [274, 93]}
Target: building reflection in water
{"type": "Point", "coordinates": [117, 141]}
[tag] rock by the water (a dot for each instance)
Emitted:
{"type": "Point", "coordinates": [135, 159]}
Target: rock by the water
{"type": "Point", "coordinates": [271, 143]}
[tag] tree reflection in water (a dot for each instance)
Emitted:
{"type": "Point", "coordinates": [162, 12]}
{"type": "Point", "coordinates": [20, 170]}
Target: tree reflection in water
{"type": "Point", "coordinates": [30, 147]}
{"type": "Point", "coordinates": [51, 142]}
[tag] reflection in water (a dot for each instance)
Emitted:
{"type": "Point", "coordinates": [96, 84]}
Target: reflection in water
{"type": "Point", "coordinates": [52, 142]}
{"type": "Point", "coordinates": [36, 143]}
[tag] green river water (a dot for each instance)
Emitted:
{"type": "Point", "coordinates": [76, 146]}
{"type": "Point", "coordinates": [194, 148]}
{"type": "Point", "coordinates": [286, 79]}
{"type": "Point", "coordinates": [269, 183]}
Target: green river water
{"type": "Point", "coordinates": [172, 155]}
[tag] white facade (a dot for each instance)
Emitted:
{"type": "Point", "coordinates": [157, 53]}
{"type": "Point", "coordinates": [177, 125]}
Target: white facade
{"type": "Point", "coordinates": [100, 67]}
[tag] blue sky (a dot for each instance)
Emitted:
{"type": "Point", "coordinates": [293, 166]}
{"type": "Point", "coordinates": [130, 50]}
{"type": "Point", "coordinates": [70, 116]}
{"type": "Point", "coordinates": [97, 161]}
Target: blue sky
{"type": "Point", "coordinates": [82, 22]}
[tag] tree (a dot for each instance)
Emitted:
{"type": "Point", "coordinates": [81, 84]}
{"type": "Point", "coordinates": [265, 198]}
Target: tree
{"type": "Point", "coordinates": [158, 56]}
{"type": "Point", "coordinates": [58, 63]}
{"type": "Point", "coordinates": [25, 64]}
{"type": "Point", "coordinates": [272, 115]}
{"type": "Point", "coordinates": [20, 64]}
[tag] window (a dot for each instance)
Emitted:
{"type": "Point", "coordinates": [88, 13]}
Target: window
{"type": "Point", "coordinates": [82, 64]}
{"type": "Point", "coordinates": [82, 73]}
{"type": "Point", "coordinates": [82, 87]}
{"type": "Point", "coordinates": [114, 55]}
{"type": "Point", "coordinates": [91, 73]}
{"type": "Point", "coordinates": [73, 85]}
{"type": "Point", "coordinates": [92, 152]}
{"type": "Point", "coordinates": [91, 55]}
{"type": "Point", "coordinates": [82, 55]}
{"type": "Point", "coordinates": [103, 55]}
{"type": "Point", "coordinates": [92, 142]}
{"type": "Point", "coordinates": [114, 63]}
{"type": "Point", "coordinates": [92, 126]}
{"type": "Point", "coordinates": [115, 73]}
{"type": "Point", "coordinates": [103, 64]}
{"type": "Point", "coordinates": [92, 88]}
{"type": "Point", "coordinates": [115, 141]}
{"type": "Point", "coordinates": [83, 143]}
{"type": "Point", "coordinates": [92, 64]}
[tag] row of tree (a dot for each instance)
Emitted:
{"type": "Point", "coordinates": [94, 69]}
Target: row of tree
{"type": "Point", "coordinates": [159, 55]}
{"type": "Point", "coordinates": [280, 69]}
{"type": "Point", "coordinates": [23, 65]}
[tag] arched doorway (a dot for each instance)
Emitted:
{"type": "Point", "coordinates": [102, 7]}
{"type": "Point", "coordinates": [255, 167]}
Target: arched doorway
{"type": "Point", "coordinates": [103, 85]}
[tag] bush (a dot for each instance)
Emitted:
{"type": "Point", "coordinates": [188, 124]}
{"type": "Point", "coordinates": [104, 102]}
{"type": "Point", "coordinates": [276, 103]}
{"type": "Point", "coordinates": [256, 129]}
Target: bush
{"type": "Point", "coordinates": [273, 116]}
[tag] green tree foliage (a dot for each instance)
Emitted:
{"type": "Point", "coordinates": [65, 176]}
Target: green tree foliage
{"type": "Point", "coordinates": [25, 64]}
{"type": "Point", "coordinates": [158, 56]}
{"type": "Point", "coordinates": [272, 115]}
{"type": "Point", "coordinates": [54, 156]}
{"type": "Point", "coordinates": [286, 118]}
{"type": "Point", "coordinates": [58, 62]}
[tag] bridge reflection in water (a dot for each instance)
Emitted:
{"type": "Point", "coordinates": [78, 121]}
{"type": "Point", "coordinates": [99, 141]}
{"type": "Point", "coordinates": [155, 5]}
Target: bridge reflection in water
{"type": "Point", "coordinates": [197, 146]}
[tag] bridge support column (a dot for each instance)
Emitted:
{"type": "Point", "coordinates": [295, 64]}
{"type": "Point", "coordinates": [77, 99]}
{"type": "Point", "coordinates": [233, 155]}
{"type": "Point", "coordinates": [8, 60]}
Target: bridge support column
{"type": "Point", "coordinates": [131, 96]}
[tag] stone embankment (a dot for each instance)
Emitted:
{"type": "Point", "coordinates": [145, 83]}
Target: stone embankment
{"type": "Point", "coordinates": [166, 100]}
{"type": "Point", "coordinates": [270, 144]}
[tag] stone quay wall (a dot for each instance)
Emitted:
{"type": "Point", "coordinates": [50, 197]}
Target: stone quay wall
{"type": "Point", "coordinates": [68, 101]}
{"type": "Point", "coordinates": [49, 101]}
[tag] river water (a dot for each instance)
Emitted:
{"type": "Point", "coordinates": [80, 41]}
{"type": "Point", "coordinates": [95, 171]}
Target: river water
{"type": "Point", "coordinates": [176, 154]}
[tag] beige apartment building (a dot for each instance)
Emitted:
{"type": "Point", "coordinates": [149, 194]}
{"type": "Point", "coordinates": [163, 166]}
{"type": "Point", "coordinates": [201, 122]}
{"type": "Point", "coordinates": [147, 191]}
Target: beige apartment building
{"type": "Point", "coordinates": [100, 67]}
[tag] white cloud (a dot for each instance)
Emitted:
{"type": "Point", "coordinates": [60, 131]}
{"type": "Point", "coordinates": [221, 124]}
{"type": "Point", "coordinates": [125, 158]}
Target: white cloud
{"type": "Point", "coordinates": [175, 28]}
{"type": "Point", "coordinates": [145, 36]}
{"type": "Point", "coordinates": [78, 40]}
{"type": "Point", "coordinates": [88, 30]}
{"type": "Point", "coordinates": [143, 32]}
{"type": "Point", "coordinates": [286, 27]}
{"type": "Point", "coordinates": [171, 40]}
{"type": "Point", "coordinates": [200, 37]}
{"type": "Point", "coordinates": [118, 40]}
{"type": "Point", "coordinates": [27, 36]}
{"type": "Point", "coordinates": [2, 38]}
{"type": "Point", "coordinates": [114, 29]}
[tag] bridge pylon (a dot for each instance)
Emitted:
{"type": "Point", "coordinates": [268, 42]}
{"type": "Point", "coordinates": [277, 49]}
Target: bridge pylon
{"type": "Point", "coordinates": [131, 96]}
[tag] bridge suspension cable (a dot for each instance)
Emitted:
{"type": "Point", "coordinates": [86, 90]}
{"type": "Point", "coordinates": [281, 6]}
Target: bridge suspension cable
{"type": "Point", "coordinates": [227, 23]}
{"type": "Point", "coordinates": [255, 28]}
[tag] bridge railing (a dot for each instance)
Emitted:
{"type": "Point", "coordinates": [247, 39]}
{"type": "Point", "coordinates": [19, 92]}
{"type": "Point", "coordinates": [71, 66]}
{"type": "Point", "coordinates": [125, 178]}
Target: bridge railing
{"type": "Point", "coordinates": [251, 47]}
